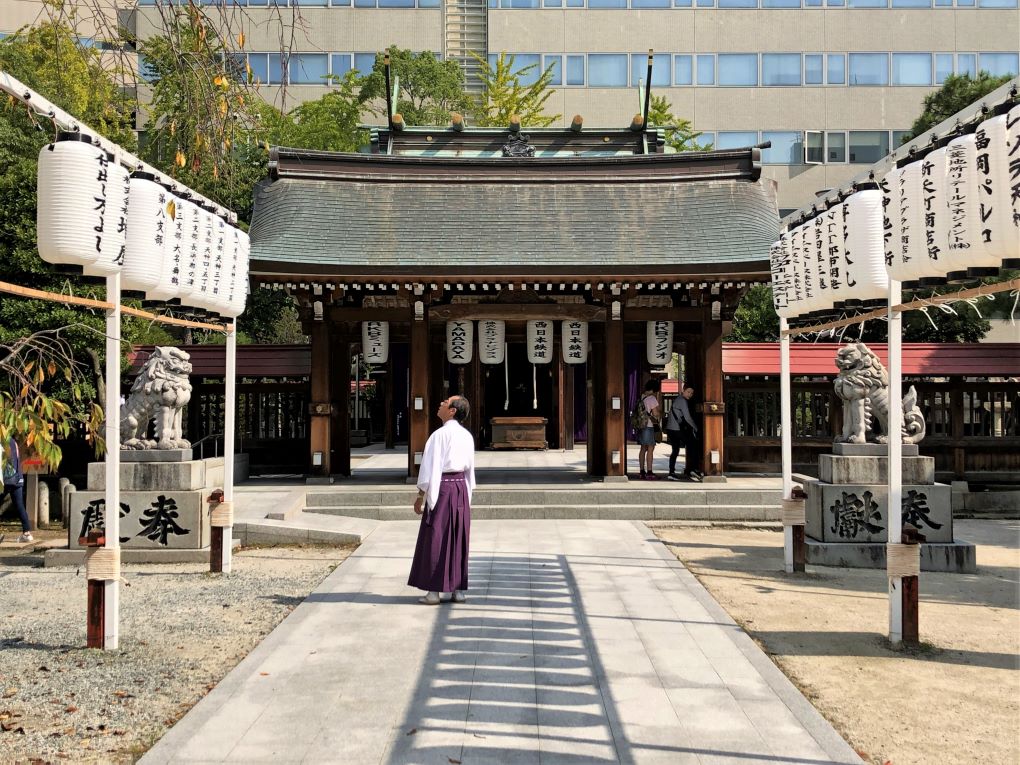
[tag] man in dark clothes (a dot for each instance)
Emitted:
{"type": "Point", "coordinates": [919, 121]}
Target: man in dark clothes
{"type": "Point", "coordinates": [681, 430]}
{"type": "Point", "coordinates": [446, 479]}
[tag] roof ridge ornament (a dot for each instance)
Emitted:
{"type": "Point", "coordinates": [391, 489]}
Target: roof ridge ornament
{"type": "Point", "coordinates": [518, 146]}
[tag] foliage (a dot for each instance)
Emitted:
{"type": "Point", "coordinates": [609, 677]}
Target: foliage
{"type": "Point", "coordinates": [680, 134]}
{"type": "Point", "coordinates": [429, 88]}
{"type": "Point", "coordinates": [755, 321]}
{"type": "Point", "coordinates": [271, 317]}
{"type": "Point", "coordinates": [330, 123]}
{"type": "Point", "coordinates": [958, 92]}
{"type": "Point", "coordinates": [504, 94]}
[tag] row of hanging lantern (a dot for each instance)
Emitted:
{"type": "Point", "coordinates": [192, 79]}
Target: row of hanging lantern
{"type": "Point", "coordinates": [952, 215]}
{"type": "Point", "coordinates": [94, 215]}
{"type": "Point", "coordinates": [492, 341]}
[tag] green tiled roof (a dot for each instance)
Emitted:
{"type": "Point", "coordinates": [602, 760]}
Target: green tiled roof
{"type": "Point", "coordinates": [348, 226]}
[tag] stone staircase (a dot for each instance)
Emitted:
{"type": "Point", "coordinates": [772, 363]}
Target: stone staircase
{"type": "Point", "coordinates": [670, 503]}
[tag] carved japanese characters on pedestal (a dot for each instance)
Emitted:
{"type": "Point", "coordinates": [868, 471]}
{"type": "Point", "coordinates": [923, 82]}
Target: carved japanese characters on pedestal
{"type": "Point", "coordinates": [160, 392]}
{"type": "Point", "coordinates": [863, 386]}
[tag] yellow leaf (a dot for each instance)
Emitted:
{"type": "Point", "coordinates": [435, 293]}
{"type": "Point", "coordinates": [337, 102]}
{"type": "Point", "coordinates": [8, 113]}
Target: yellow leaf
{"type": "Point", "coordinates": [180, 158]}
{"type": "Point", "coordinates": [173, 127]}
{"type": "Point", "coordinates": [226, 144]}
{"type": "Point", "coordinates": [215, 172]}
{"type": "Point", "coordinates": [218, 80]}
{"type": "Point", "coordinates": [24, 391]}
{"type": "Point", "coordinates": [240, 40]}
{"type": "Point", "coordinates": [223, 107]}
{"type": "Point", "coordinates": [29, 365]}
{"type": "Point", "coordinates": [52, 369]}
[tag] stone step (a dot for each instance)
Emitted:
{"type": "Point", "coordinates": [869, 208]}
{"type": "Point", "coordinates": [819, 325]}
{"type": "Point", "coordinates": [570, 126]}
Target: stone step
{"type": "Point", "coordinates": [671, 512]}
{"type": "Point", "coordinates": [685, 495]}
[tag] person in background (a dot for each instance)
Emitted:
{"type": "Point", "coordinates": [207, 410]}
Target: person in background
{"type": "Point", "coordinates": [14, 484]}
{"type": "Point", "coordinates": [650, 412]}
{"type": "Point", "coordinates": [681, 430]}
{"type": "Point", "coordinates": [446, 480]}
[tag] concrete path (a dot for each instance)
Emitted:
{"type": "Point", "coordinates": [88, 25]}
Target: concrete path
{"type": "Point", "coordinates": [581, 642]}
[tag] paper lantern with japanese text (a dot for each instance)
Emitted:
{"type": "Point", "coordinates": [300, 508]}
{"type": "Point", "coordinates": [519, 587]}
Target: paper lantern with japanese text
{"type": "Point", "coordinates": [780, 263]}
{"type": "Point", "coordinates": [809, 269]}
{"type": "Point", "coordinates": [659, 342]}
{"type": "Point", "coordinates": [375, 341]}
{"type": "Point", "coordinates": [491, 341]}
{"type": "Point", "coordinates": [540, 341]}
{"type": "Point", "coordinates": [908, 227]}
{"type": "Point", "coordinates": [1012, 188]}
{"type": "Point", "coordinates": [998, 232]}
{"type": "Point", "coordinates": [237, 289]}
{"type": "Point", "coordinates": [460, 341]}
{"type": "Point", "coordinates": [833, 255]}
{"type": "Point", "coordinates": [81, 211]}
{"type": "Point", "coordinates": [867, 279]}
{"type": "Point", "coordinates": [935, 211]}
{"type": "Point", "coordinates": [818, 251]}
{"type": "Point", "coordinates": [195, 223]}
{"type": "Point", "coordinates": [149, 227]}
{"type": "Point", "coordinates": [967, 211]}
{"type": "Point", "coordinates": [574, 341]}
{"type": "Point", "coordinates": [795, 281]}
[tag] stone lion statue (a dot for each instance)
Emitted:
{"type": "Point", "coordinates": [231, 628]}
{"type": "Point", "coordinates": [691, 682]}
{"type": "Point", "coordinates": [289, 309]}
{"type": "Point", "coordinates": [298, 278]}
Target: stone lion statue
{"type": "Point", "coordinates": [159, 392]}
{"type": "Point", "coordinates": [863, 385]}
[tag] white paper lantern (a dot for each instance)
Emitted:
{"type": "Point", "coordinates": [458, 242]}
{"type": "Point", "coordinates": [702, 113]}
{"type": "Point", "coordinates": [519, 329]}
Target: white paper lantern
{"type": "Point", "coordinates": [936, 217]}
{"type": "Point", "coordinates": [460, 341]}
{"type": "Point", "coordinates": [375, 341]}
{"type": "Point", "coordinates": [491, 341]}
{"type": "Point", "coordinates": [818, 251]}
{"type": "Point", "coordinates": [1012, 187]}
{"type": "Point", "coordinates": [908, 226]}
{"type": "Point", "coordinates": [863, 220]}
{"type": "Point", "coordinates": [223, 270]}
{"type": "Point", "coordinates": [659, 342]}
{"type": "Point", "coordinates": [237, 291]}
{"type": "Point", "coordinates": [81, 206]}
{"type": "Point", "coordinates": [779, 265]}
{"type": "Point", "coordinates": [833, 254]}
{"type": "Point", "coordinates": [795, 281]}
{"type": "Point", "coordinates": [540, 341]}
{"type": "Point", "coordinates": [966, 210]}
{"type": "Point", "coordinates": [809, 270]}
{"type": "Point", "coordinates": [194, 221]}
{"type": "Point", "coordinates": [574, 341]}
{"type": "Point", "coordinates": [149, 232]}
{"type": "Point", "coordinates": [998, 233]}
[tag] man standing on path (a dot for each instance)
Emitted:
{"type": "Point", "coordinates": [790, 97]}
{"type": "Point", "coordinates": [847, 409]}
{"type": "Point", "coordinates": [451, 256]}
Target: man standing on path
{"type": "Point", "coordinates": [681, 431]}
{"type": "Point", "coordinates": [446, 479]}
{"type": "Point", "coordinates": [14, 484]}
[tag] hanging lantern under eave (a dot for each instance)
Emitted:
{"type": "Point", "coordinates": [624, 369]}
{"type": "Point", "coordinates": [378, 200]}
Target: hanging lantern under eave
{"type": "Point", "coordinates": [966, 227]}
{"type": "Point", "coordinates": [194, 223]}
{"type": "Point", "coordinates": [223, 269]}
{"type": "Point", "coordinates": [908, 228]}
{"type": "Point", "coordinates": [210, 265]}
{"type": "Point", "coordinates": [781, 266]}
{"type": "Point", "coordinates": [540, 341]}
{"type": "Point", "coordinates": [237, 291]}
{"type": "Point", "coordinates": [149, 228]}
{"type": "Point", "coordinates": [795, 276]}
{"type": "Point", "coordinates": [867, 279]}
{"type": "Point", "coordinates": [935, 223]}
{"type": "Point", "coordinates": [375, 341]}
{"type": "Point", "coordinates": [834, 259]}
{"type": "Point", "coordinates": [460, 337]}
{"type": "Point", "coordinates": [999, 232]}
{"type": "Point", "coordinates": [491, 341]}
{"type": "Point", "coordinates": [1012, 187]}
{"type": "Point", "coordinates": [818, 249]}
{"type": "Point", "coordinates": [81, 206]}
{"type": "Point", "coordinates": [175, 245]}
{"type": "Point", "coordinates": [574, 341]}
{"type": "Point", "coordinates": [808, 264]}
{"type": "Point", "coordinates": [659, 342]}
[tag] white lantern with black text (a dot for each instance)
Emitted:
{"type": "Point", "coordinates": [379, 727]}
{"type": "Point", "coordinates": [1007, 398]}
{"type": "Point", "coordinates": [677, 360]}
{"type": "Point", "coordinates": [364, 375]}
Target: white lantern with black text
{"type": "Point", "coordinates": [867, 278]}
{"type": "Point", "coordinates": [659, 342]}
{"type": "Point", "coordinates": [818, 250]}
{"type": "Point", "coordinates": [375, 341]}
{"type": "Point", "coordinates": [936, 217]}
{"type": "Point", "coordinates": [781, 266]}
{"type": "Point", "coordinates": [237, 294]}
{"type": "Point", "coordinates": [809, 270]}
{"type": "Point", "coordinates": [833, 255]}
{"type": "Point", "coordinates": [460, 341]}
{"type": "Point", "coordinates": [149, 227]}
{"type": "Point", "coordinates": [908, 227]}
{"type": "Point", "coordinates": [998, 232]}
{"type": "Point", "coordinates": [194, 219]}
{"type": "Point", "coordinates": [540, 341]}
{"type": "Point", "coordinates": [491, 341]}
{"type": "Point", "coordinates": [574, 341]}
{"type": "Point", "coordinates": [81, 211]}
{"type": "Point", "coordinates": [795, 283]}
{"type": "Point", "coordinates": [1012, 188]}
{"type": "Point", "coordinates": [967, 211]}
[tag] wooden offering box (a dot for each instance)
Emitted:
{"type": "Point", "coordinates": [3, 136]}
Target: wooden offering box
{"type": "Point", "coordinates": [518, 432]}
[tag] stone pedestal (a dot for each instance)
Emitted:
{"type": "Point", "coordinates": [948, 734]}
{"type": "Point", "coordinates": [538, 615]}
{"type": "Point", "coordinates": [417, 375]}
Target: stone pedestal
{"type": "Point", "coordinates": [848, 509]}
{"type": "Point", "coordinates": [162, 500]}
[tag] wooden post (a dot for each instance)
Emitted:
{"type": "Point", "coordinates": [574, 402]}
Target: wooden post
{"type": "Point", "coordinates": [956, 423]}
{"type": "Point", "coordinates": [566, 402]}
{"type": "Point", "coordinates": [388, 406]}
{"type": "Point", "coordinates": [321, 415]}
{"type": "Point", "coordinates": [420, 407]}
{"type": "Point", "coordinates": [616, 399]}
{"type": "Point", "coordinates": [714, 407]}
{"type": "Point", "coordinates": [911, 590]}
{"type": "Point", "coordinates": [477, 399]}
{"type": "Point", "coordinates": [340, 441]}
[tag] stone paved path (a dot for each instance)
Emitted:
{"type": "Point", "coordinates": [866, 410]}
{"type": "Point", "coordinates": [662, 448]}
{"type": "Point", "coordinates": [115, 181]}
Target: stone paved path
{"type": "Point", "coordinates": [581, 642]}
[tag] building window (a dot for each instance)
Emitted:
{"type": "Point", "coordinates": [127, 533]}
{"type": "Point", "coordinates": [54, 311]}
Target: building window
{"type": "Point", "coordinates": [868, 146]}
{"type": "Point", "coordinates": [660, 69]}
{"type": "Point", "coordinates": [814, 69]}
{"type": "Point", "coordinates": [706, 3]}
{"type": "Point", "coordinates": [522, 61]}
{"type": "Point", "coordinates": [739, 69]}
{"type": "Point", "coordinates": [364, 63]}
{"type": "Point", "coordinates": [869, 69]}
{"type": "Point", "coordinates": [966, 63]}
{"type": "Point", "coordinates": [835, 147]}
{"type": "Point", "coordinates": [681, 3]}
{"type": "Point", "coordinates": [814, 147]}
{"type": "Point", "coordinates": [707, 139]}
{"type": "Point", "coordinates": [733, 139]}
{"type": "Point", "coordinates": [738, 3]}
{"type": "Point", "coordinates": [911, 3]}
{"type": "Point", "coordinates": [309, 68]}
{"type": "Point", "coordinates": [706, 70]}
{"type": "Point", "coordinates": [607, 3]}
{"type": "Point", "coordinates": [340, 64]}
{"type": "Point", "coordinates": [867, 3]}
{"type": "Point", "coordinates": [783, 69]}
{"type": "Point", "coordinates": [997, 3]}
{"type": "Point", "coordinates": [898, 136]}
{"type": "Point", "coordinates": [911, 69]}
{"type": "Point", "coordinates": [650, 3]}
{"type": "Point", "coordinates": [1000, 64]}
{"type": "Point", "coordinates": [575, 70]}
{"type": "Point", "coordinates": [259, 67]}
{"type": "Point", "coordinates": [836, 69]}
{"type": "Point", "coordinates": [556, 62]}
{"type": "Point", "coordinates": [607, 70]}
{"type": "Point", "coordinates": [682, 74]}
{"type": "Point", "coordinates": [788, 3]}
{"type": "Point", "coordinates": [277, 69]}
{"type": "Point", "coordinates": [943, 67]}
{"type": "Point", "coordinates": [787, 148]}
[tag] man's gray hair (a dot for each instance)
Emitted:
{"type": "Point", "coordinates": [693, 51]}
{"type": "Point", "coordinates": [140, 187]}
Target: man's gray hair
{"type": "Point", "coordinates": [461, 408]}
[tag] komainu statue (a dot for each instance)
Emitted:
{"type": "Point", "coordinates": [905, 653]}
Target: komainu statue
{"type": "Point", "coordinates": [159, 392]}
{"type": "Point", "coordinates": [863, 385]}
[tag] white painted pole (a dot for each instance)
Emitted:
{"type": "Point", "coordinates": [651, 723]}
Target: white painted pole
{"type": "Point", "coordinates": [895, 472]}
{"type": "Point", "coordinates": [786, 433]}
{"type": "Point", "coordinates": [111, 589]}
{"type": "Point", "coordinates": [229, 426]}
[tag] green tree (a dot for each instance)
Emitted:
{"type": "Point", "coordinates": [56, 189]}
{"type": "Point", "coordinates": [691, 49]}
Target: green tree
{"type": "Point", "coordinates": [504, 94]}
{"type": "Point", "coordinates": [957, 93]}
{"type": "Point", "coordinates": [330, 123]}
{"type": "Point", "coordinates": [680, 134]}
{"type": "Point", "coordinates": [755, 321]}
{"type": "Point", "coordinates": [429, 88]}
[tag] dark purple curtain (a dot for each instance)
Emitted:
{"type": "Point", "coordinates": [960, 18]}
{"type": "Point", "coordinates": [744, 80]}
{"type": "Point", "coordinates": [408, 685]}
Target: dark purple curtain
{"type": "Point", "coordinates": [632, 363]}
{"type": "Point", "coordinates": [581, 402]}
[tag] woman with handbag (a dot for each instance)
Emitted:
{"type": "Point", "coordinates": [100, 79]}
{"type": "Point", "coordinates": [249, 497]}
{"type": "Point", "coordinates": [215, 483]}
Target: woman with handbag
{"type": "Point", "coordinates": [14, 484]}
{"type": "Point", "coordinates": [648, 413]}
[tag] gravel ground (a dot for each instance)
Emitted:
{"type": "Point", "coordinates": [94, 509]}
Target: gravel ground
{"type": "Point", "coordinates": [182, 630]}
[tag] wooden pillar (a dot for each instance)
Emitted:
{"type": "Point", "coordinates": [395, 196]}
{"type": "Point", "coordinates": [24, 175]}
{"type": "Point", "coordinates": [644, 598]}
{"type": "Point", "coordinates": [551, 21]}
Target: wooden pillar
{"type": "Point", "coordinates": [320, 425]}
{"type": "Point", "coordinates": [714, 407]}
{"type": "Point", "coordinates": [615, 429]}
{"type": "Point", "coordinates": [595, 405]}
{"type": "Point", "coordinates": [390, 412]}
{"type": "Point", "coordinates": [476, 399]}
{"type": "Point", "coordinates": [340, 461]}
{"type": "Point", "coordinates": [956, 424]}
{"type": "Point", "coordinates": [566, 404]}
{"type": "Point", "coordinates": [419, 392]}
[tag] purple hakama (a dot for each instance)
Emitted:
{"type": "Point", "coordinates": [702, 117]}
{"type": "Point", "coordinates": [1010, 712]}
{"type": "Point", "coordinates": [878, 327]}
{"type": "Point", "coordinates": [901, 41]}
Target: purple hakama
{"type": "Point", "coordinates": [441, 556]}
